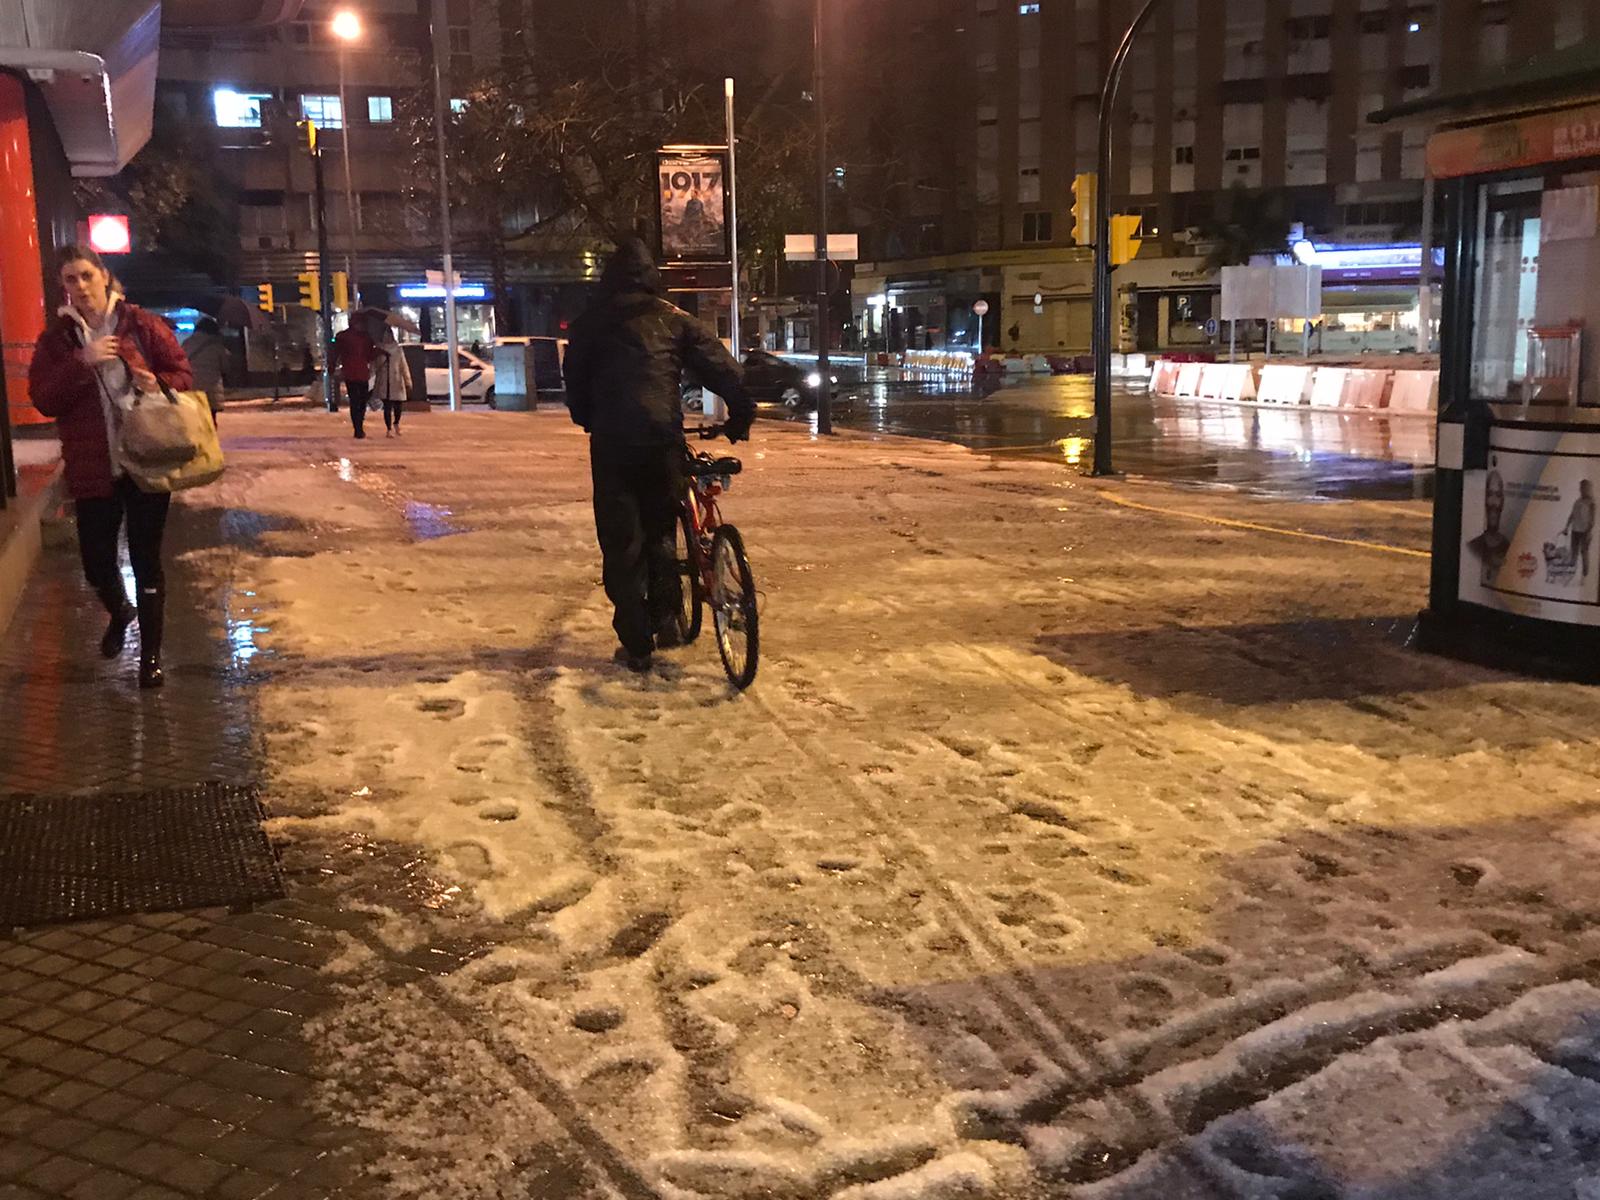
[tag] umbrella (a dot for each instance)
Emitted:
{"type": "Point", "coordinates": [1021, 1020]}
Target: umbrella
{"type": "Point", "coordinates": [229, 309]}
{"type": "Point", "coordinates": [387, 318]}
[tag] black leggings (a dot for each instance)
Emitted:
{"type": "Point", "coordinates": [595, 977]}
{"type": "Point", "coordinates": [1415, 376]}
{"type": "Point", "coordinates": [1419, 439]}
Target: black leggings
{"type": "Point", "coordinates": [391, 413]}
{"type": "Point", "coordinates": [100, 520]}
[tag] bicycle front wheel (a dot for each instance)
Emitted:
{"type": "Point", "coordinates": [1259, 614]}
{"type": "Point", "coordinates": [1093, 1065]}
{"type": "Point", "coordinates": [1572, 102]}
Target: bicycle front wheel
{"type": "Point", "coordinates": [733, 607]}
{"type": "Point", "coordinates": [691, 593]}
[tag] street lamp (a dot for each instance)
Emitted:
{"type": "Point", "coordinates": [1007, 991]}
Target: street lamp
{"type": "Point", "coordinates": [825, 391]}
{"type": "Point", "coordinates": [347, 28]}
{"type": "Point", "coordinates": [1102, 248]}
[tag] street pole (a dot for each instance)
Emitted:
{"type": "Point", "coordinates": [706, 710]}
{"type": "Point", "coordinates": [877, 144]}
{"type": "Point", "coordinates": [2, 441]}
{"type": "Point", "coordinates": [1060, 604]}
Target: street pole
{"type": "Point", "coordinates": [825, 389]}
{"type": "Point", "coordinates": [439, 31]}
{"type": "Point", "coordinates": [733, 232]}
{"type": "Point", "coordinates": [324, 298]}
{"type": "Point", "coordinates": [1102, 250]}
{"type": "Point", "coordinates": [349, 189]}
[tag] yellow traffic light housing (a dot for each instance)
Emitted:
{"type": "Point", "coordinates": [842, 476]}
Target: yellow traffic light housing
{"type": "Point", "coordinates": [1085, 187]}
{"type": "Point", "coordinates": [310, 293]}
{"type": "Point", "coordinates": [310, 127]}
{"type": "Point", "coordinates": [1125, 239]}
{"type": "Point", "coordinates": [264, 299]}
{"type": "Point", "coordinates": [341, 291]}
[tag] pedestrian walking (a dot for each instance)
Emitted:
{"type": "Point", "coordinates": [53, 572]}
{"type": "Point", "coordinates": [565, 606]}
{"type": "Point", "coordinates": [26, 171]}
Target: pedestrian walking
{"type": "Point", "coordinates": [87, 368]}
{"type": "Point", "coordinates": [627, 354]}
{"type": "Point", "coordinates": [353, 352]}
{"type": "Point", "coordinates": [391, 381]}
{"type": "Point", "coordinates": [207, 353]}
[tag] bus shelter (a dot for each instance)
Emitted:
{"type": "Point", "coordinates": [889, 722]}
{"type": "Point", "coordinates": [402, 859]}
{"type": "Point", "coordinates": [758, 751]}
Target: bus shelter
{"type": "Point", "coordinates": [1515, 580]}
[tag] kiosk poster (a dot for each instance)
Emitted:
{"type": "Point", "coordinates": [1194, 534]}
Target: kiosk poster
{"type": "Point", "coordinates": [1528, 526]}
{"type": "Point", "coordinates": [694, 209]}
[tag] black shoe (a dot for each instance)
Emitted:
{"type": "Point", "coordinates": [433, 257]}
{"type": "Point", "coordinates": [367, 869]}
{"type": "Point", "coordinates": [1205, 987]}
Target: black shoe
{"type": "Point", "coordinates": [150, 675]}
{"type": "Point", "coordinates": [668, 636]}
{"type": "Point", "coordinates": [116, 634]}
{"type": "Point", "coordinates": [360, 433]}
{"type": "Point", "coordinates": [637, 663]}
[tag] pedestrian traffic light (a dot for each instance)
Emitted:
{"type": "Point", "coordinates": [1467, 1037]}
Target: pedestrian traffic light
{"type": "Point", "coordinates": [310, 294]}
{"type": "Point", "coordinates": [341, 291]}
{"type": "Point", "coordinates": [1125, 239]}
{"type": "Point", "coordinates": [1084, 189]}
{"type": "Point", "coordinates": [264, 297]}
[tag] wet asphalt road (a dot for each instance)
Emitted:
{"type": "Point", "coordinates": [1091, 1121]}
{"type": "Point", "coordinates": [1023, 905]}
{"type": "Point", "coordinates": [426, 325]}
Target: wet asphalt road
{"type": "Point", "coordinates": [1266, 449]}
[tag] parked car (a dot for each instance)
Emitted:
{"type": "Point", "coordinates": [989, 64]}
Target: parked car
{"type": "Point", "coordinates": [477, 376]}
{"type": "Point", "coordinates": [772, 380]}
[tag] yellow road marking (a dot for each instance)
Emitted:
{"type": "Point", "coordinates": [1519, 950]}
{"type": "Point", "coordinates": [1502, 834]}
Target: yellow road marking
{"type": "Point", "coordinates": [1251, 525]}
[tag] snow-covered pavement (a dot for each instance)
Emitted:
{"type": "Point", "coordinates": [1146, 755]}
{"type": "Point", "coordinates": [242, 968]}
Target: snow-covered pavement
{"type": "Point", "coordinates": [1075, 839]}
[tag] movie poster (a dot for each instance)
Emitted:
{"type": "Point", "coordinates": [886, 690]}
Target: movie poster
{"type": "Point", "coordinates": [694, 208]}
{"type": "Point", "coordinates": [1528, 526]}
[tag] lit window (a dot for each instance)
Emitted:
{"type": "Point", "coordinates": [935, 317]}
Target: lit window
{"type": "Point", "coordinates": [238, 110]}
{"type": "Point", "coordinates": [457, 105]}
{"type": "Point", "coordinates": [380, 109]}
{"type": "Point", "coordinates": [324, 110]}
{"type": "Point", "coordinates": [1029, 9]}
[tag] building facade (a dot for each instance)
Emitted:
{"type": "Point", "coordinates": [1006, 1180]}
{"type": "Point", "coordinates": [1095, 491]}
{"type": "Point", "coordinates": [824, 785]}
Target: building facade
{"type": "Point", "coordinates": [240, 88]}
{"type": "Point", "coordinates": [1229, 113]}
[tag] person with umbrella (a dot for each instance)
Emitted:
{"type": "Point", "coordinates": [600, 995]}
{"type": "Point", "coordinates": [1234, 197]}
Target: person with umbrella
{"type": "Point", "coordinates": [208, 355]}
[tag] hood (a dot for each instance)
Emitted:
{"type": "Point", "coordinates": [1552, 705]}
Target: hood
{"type": "Point", "coordinates": [630, 269]}
{"type": "Point", "coordinates": [114, 301]}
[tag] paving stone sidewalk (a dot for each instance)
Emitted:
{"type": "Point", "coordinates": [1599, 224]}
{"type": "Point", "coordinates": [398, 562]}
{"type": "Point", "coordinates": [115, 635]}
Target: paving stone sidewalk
{"type": "Point", "coordinates": [157, 1055]}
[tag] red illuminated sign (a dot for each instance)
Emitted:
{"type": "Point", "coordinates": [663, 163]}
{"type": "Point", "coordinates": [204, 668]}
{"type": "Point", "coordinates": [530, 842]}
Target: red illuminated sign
{"type": "Point", "coordinates": [109, 233]}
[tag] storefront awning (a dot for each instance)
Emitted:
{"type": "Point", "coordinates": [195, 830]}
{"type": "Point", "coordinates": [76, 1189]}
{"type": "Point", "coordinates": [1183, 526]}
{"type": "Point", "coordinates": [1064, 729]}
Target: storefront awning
{"type": "Point", "coordinates": [1564, 76]}
{"type": "Point", "coordinates": [94, 61]}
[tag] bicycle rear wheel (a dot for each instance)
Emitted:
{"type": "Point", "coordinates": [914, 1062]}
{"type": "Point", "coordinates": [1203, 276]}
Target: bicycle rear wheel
{"type": "Point", "coordinates": [733, 607]}
{"type": "Point", "coordinates": [691, 598]}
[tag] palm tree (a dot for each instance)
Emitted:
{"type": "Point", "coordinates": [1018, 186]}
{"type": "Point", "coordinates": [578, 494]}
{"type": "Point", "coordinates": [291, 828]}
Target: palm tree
{"type": "Point", "coordinates": [1254, 223]}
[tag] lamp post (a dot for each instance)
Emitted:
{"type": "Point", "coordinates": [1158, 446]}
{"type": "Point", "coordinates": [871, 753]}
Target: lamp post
{"type": "Point", "coordinates": [825, 389]}
{"type": "Point", "coordinates": [347, 28]}
{"type": "Point", "coordinates": [1102, 249]}
{"type": "Point", "coordinates": [440, 26]}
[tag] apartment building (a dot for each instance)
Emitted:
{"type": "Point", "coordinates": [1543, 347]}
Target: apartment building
{"type": "Point", "coordinates": [1220, 100]}
{"type": "Point", "coordinates": [238, 88]}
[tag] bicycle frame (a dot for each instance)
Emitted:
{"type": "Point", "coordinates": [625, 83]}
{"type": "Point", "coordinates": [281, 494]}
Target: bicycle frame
{"type": "Point", "coordinates": [700, 504]}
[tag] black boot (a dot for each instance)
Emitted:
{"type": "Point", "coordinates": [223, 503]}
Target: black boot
{"type": "Point", "coordinates": [152, 620]}
{"type": "Point", "coordinates": [123, 614]}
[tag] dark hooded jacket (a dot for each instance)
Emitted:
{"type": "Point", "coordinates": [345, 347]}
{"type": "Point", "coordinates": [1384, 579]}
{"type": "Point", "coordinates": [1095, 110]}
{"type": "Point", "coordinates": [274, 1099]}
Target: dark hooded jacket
{"type": "Point", "coordinates": [628, 351]}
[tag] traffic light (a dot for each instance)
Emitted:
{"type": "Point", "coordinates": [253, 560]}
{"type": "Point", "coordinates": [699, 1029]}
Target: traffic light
{"type": "Point", "coordinates": [1084, 189]}
{"type": "Point", "coordinates": [341, 291]}
{"type": "Point", "coordinates": [1125, 239]}
{"type": "Point", "coordinates": [310, 294]}
{"type": "Point", "coordinates": [310, 128]}
{"type": "Point", "coordinates": [264, 297]}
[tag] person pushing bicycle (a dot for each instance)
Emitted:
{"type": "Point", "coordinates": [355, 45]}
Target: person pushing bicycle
{"type": "Point", "coordinates": [625, 358]}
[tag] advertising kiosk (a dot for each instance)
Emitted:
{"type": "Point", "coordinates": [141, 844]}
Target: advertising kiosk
{"type": "Point", "coordinates": [1516, 542]}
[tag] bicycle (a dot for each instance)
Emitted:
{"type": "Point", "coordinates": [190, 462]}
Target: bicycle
{"type": "Point", "coordinates": [715, 570]}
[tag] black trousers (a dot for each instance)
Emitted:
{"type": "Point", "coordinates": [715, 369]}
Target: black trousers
{"type": "Point", "coordinates": [638, 491]}
{"type": "Point", "coordinates": [358, 390]}
{"type": "Point", "coordinates": [99, 522]}
{"type": "Point", "coordinates": [391, 413]}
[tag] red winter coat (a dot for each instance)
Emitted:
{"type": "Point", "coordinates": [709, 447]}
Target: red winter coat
{"type": "Point", "coordinates": [63, 387]}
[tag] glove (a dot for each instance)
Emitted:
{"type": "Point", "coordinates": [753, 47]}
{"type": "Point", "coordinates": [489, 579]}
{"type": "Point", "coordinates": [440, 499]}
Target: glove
{"type": "Point", "coordinates": [738, 430]}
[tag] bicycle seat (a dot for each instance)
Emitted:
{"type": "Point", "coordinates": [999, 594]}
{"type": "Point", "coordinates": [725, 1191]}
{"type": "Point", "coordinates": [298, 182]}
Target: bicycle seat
{"type": "Point", "coordinates": [702, 465]}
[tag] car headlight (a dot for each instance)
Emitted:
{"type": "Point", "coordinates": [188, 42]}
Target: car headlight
{"type": "Point", "coordinates": [814, 379]}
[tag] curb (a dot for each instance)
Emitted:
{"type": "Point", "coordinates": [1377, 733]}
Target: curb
{"type": "Point", "coordinates": [21, 539]}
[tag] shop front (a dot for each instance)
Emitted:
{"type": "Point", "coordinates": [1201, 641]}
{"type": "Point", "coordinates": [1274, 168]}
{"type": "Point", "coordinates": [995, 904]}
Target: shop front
{"type": "Point", "coordinates": [423, 305]}
{"type": "Point", "coordinates": [1516, 569]}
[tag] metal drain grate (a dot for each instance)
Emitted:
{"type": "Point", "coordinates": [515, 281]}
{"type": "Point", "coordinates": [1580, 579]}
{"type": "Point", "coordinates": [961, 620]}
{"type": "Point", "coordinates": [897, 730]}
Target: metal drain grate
{"type": "Point", "coordinates": [68, 858]}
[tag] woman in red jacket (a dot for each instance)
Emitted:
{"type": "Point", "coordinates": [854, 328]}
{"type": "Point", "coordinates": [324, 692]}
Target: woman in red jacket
{"type": "Point", "coordinates": [87, 368]}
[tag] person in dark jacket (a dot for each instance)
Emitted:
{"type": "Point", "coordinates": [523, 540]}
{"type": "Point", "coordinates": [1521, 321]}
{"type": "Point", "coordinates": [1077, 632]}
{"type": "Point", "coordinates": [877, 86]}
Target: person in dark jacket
{"type": "Point", "coordinates": [625, 358]}
{"type": "Point", "coordinates": [87, 367]}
